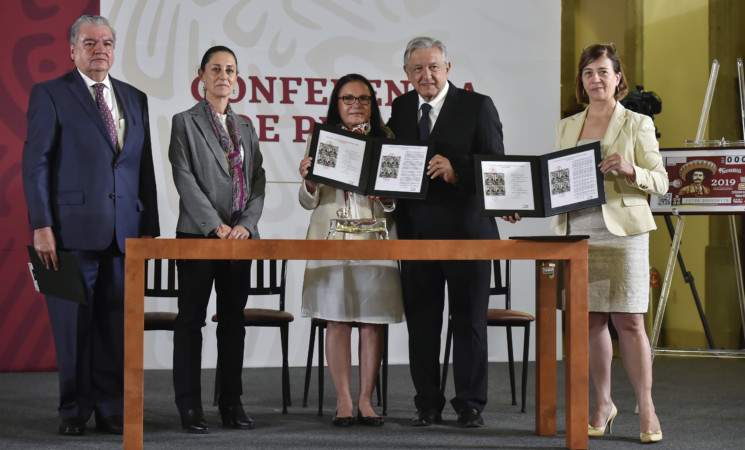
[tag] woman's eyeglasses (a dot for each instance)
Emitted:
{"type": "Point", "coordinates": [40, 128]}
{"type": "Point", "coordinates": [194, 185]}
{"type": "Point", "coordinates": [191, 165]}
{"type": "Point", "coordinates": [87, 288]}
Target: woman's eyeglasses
{"type": "Point", "coordinates": [350, 99]}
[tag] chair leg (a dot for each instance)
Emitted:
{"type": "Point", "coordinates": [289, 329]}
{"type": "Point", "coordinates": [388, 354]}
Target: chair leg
{"type": "Point", "coordinates": [385, 370]}
{"type": "Point", "coordinates": [446, 359]}
{"type": "Point", "coordinates": [378, 388]}
{"type": "Point", "coordinates": [526, 347]}
{"type": "Point", "coordinates": [217, 385]}
{"type": "Point", "coordinates": [284, 335]}
{"type": "Point", "coordinates": [309, 364]}
{"type": "Point", "coordinates": [320, 370]}
{"type": "Point", "coordinates": [511, 359]}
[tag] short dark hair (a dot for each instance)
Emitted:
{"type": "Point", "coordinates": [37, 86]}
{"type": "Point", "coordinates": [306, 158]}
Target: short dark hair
{"type": "Point", "coordinates": [590, 54]}
{"type": "Point", "coordinates": [88, 18]}
{"type": "Point", "coordinates": [333, 117]}
{"type": "Point", "coordinates": [211, 51]}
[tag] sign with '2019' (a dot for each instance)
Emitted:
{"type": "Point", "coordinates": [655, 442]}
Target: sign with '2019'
{"type": "Point", "coordinates": [702, 181]}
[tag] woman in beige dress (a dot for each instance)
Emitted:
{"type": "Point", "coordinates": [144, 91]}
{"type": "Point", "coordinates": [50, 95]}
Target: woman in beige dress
{"type": "Point", "coordinates": [366, 293]}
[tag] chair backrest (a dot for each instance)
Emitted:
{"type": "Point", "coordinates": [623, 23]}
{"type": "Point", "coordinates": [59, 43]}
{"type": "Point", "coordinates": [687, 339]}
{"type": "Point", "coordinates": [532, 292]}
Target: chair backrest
{"type": "Point", "coordinates": [273, 284]}
{"type": "Point", "coordinates": [501, 284]}
{"type": "Point", "coordinates": [154, 287]}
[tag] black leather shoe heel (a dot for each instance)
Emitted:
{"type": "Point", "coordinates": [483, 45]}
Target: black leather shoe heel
{"type": "Point", "coordinates": [426, 418]}
{"type": "Point", "coordinates": [72, 427]}
{"type": "Point", "coordinates": [112, 424]}
{"type": "Point", "coordinates": [342, 421]}
{"type": "Point", "coordinates": [370, 421]}
{"type": "Point", "coordinates": [193, 421]}
{"type": "Point", "coordinates": [234, 416]}
{"type": "Point", "coordinates": [470, 418]}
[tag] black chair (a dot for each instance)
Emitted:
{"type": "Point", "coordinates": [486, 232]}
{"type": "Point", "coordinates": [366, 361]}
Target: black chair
{"type": "Point", "coordinates": [501, 318]}
{"type": "Point", "coordinates": [261, 317]}
{"type": "Point", "coordinates": [320, 326]}
{"type": "Point", "coordinates": [160, 320]}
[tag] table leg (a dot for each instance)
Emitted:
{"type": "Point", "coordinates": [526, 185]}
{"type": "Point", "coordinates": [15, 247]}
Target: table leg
{"type": "Point", "coordinates": [545, 386]}
{"type": "Point", "coordinates": [577, 377]}
{"type": "Point", "coordinates": [134, 319]}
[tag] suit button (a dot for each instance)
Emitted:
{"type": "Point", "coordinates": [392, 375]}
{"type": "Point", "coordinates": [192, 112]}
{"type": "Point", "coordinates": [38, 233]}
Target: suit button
{"type": "Point", "coordinates": [116, 165]}
{"type": "Point", "coordinates": [112, 196]}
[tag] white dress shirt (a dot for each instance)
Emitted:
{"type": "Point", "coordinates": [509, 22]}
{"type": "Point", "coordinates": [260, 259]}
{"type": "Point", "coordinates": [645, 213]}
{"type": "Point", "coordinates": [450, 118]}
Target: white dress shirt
{"type": "Point", "coordinates": [436, 105]}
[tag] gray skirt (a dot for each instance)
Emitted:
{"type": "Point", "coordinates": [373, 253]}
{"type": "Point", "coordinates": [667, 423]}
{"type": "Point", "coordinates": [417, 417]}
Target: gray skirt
{"type": "Point", "coordinates": [619, 265]}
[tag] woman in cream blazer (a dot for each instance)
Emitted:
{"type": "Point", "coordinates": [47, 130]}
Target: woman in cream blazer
{"type": "Point", "coordinates": [632, 136]}
{"type": "Point", "coordinates": [366, 293]}
{"type": "Point", "coordinates": [619, 239]}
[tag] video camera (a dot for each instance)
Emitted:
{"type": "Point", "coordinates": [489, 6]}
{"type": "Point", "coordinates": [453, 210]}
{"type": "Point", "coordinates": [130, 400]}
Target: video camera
{"type": "Point", "coordinates": [643, 102]}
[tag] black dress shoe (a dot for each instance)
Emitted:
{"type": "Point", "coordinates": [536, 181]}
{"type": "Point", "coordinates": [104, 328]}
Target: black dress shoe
{"type": "Point", "coordinates": [370, 421]}
{"type": "Point", "coordinates": [342, 421]}
{"type": "Point", "coordinates": [72, 427]}
{"type": "Point", "coordinates": [233, 416]}
{"type": "Point", "coordinates": [426, 418]}
{"type": "Point", "coordinates": [112, 424]}
{"type": "Point", "coordinates": [470, 418]}
{"type": "Point", "coordinates": [193, 421]}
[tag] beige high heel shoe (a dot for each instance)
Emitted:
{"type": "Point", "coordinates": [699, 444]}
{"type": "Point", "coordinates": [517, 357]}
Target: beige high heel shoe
{"type": "Point", "coordinates": [600, 431]}
{"type": "Point", "coordinates": [651, 436]}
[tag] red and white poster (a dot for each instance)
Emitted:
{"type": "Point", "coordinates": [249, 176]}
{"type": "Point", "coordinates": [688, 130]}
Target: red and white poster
{"type": "Point", "coordinates": [703, 181]}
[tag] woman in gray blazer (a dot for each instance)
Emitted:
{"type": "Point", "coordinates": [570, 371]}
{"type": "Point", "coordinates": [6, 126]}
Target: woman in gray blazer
{"type": "Point", "coordinates": [217, 170]}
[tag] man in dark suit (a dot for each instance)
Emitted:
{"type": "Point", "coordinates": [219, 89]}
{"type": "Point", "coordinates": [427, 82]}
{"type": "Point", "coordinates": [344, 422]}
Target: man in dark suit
{"type": "Point", "coordinates": [89, 183]}
{"type": "Point", "coordinates": [460, 124]}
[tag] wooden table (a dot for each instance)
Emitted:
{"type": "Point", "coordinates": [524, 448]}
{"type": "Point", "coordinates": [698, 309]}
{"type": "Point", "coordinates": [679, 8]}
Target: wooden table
{"type": "Point", "coordinates": [544, 252]}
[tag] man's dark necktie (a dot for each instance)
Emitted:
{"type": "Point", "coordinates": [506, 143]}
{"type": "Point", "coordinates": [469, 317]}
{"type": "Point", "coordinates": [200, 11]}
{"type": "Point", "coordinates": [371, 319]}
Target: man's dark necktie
{"type": "Point", "coordinates": [424, 121]}
{"type": "Point", "coordinates": [105, 112]}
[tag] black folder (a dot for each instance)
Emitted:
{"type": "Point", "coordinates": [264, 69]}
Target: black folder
{"type": "Point", "coordinates": [67, 282]}
{"type": "Point", "coordinates": [544, 185]}
{"type": "Point", "coordinates": [378, 163]}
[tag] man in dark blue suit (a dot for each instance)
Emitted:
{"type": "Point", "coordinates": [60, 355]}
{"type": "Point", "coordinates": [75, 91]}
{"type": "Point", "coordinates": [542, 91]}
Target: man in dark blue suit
{"type": "Point", "coordinates": [89, 183]}
{"type": "Point", "coordinates": [460, 124]}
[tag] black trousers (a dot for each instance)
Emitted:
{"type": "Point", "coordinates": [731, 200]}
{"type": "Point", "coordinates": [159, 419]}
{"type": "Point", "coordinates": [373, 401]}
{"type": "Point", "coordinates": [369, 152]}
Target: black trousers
{"type": "Point", "coordinates": [231, 280]}
{"type": "Point", "coordinates": [423, 284]}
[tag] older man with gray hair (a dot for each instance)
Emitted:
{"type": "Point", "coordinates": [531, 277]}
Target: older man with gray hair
{"type": "Point", "coordinates": [89, 184]}
{"type": "Point", "coordinates": [460, 124]}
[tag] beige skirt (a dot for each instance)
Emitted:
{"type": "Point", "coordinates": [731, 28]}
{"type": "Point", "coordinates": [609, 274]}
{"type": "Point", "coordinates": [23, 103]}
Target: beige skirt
{"type": "Point", "coordinates": [619, 265]}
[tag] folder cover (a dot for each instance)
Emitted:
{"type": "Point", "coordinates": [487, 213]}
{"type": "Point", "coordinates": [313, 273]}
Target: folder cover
{"type": "Point", "coordinates": [67, 282]}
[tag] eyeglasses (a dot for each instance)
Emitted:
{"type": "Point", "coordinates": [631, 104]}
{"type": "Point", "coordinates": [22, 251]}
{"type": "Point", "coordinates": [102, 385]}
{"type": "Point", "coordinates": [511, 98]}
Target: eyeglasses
{"type": "Point", "coordinates": [350, 99]}
{"type": "Point", "coordinates": [434, 68]}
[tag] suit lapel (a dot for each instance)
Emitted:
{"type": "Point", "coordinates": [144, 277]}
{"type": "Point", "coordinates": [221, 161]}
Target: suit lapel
{"type": "Point", "coordinates": [247, 150]}
{"type": "Point", "coordinates": [202, 122]}
{"type": "Point", "coordinates": [409, 125]}
{"type": "Point", "coordinates": [615, 126]}
{"type": "Point", "coordinates": [84, 96]}
{"type": "Point", "coordinates": [573, 130]}
{"type": "Point", "coordinates": [447, 112]}
{"type": "Point", "coordinates": [127, 108]}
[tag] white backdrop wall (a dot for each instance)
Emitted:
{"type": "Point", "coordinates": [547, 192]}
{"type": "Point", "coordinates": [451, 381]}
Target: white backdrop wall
{"type": "Point", "coordinates": [289, 53]}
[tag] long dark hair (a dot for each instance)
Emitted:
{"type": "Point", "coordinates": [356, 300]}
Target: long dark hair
{"type": "Point", "coordinates": [334, 118]}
